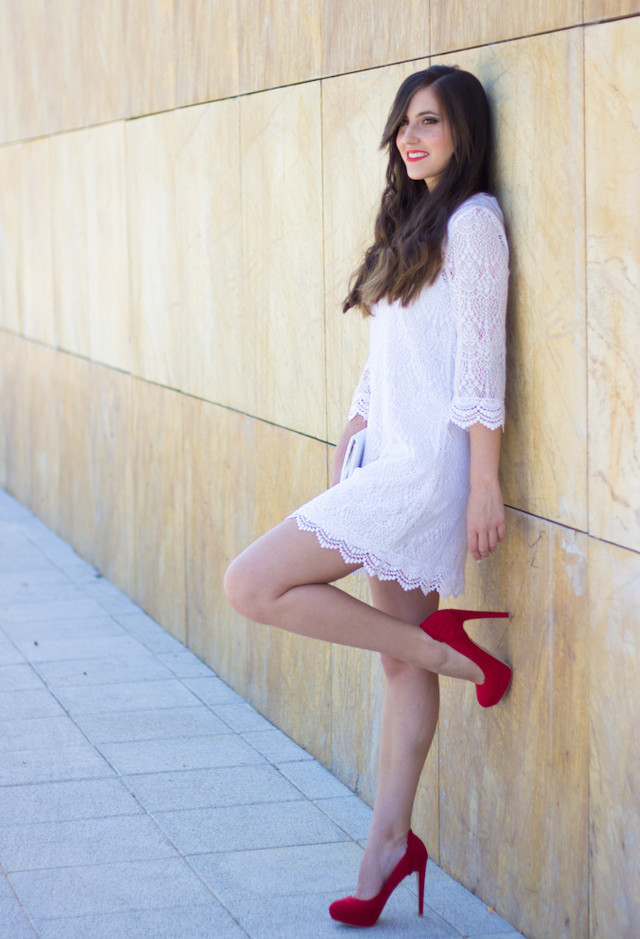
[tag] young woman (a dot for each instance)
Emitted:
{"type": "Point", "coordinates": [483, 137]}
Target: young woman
{"type": "Point", "coordinates": [434, 283]}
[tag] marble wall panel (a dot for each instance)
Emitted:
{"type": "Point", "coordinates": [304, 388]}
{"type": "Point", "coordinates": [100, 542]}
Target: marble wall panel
{"type": "Point", "coordinates": [613, 265]}
{"type": "Point", "coordinates": [70, 434]}
{"type": "Point", "coordinates": [354, 111]}
{"type": "Point", "coordinates": [157, 347]}
{"type": "Point", "coordinates": [514, 779]}
{"type": "Point", "coordinates": [460, 24]}
{"type": "Point", "coordinates": [282, 238]}
{"type": "Point", "coordinates": [535, 87]}
{"type": "Point", "coordinates": [158, 501]}
{"type": "Point", "coordinates": [615, 750]}
{"type": "Point", "coordinates": [607, 9]}
{"type": "Point", "coordinates": [70, 238]}
{"type": "Point", "coordinates": [113, 449]}
{"type": "Point", "coordinates": [217, 503]}
{"type": "Point", "coordinates": [10, 237]}
{"type": "Point", "coordinates": [151, 56]}
{"type": "Point", "coordinates": [107, 309]}
{"type": "Point", "coordinates": [290, 675]}
{"type": "Point", "coordinates": [186, 255]}
{"type": "Point", "coordinates": [104, 65]}
{"type": "Point", "coordinates": [9, 113]}
{"type": "Point", "coordinates": [14, 475]}
{"type": "Point", "coordinates": [30, 63]}
{"type": "Point", "coordinates": [207, 40]}
{"type": "Point", "coordinates": [36, 273]}
{"type": "Point", "coordinates": [361, 34]}
{"type": "Point", "coordinates": [279, 43]}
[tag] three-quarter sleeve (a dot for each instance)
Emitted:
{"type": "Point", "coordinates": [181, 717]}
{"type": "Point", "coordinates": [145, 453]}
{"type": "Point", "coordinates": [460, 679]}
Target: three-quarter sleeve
{"type": "Point", "coordinates": [361, 396]}
{"type": "Point", "coordinates": [477, 269]}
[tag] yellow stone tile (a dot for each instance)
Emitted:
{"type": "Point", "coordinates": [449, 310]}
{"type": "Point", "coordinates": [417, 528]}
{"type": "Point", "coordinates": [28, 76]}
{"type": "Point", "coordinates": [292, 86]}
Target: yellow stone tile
{"type": "Point", "coordinates": [31, 68]}
{"type": "Point", "coordinates": [107, 310]}
{"type": "Point", "coordinates": [457, 24]}
{"type": "Point", "coordinates": [614, 699]}
{"type": "Point", "coordinates": [605, 9]}
{"type": "Point", "coordinates": [243, 477]}
{"type": "Point", "coordinates": [354, 112]}
{"type": "Point", "coordinates": [105, 68]}
{"type": "Point", "coordinates": [207, 40]}
{"type": "Point", "coordinates": [10, 117]}
{"type": "Point", "coordinates": [186, 256]}
{"type": "Point", "coordinates": [535, 87]}
{"type": "Point", "coordinates": [217, 502]}
{"type": "Point", "coordinates": [279, 43]}
{"type": "Point", "coordinates": [10, 237]}
{"type": "Point", "coordinates": [514, 779]}
{"type": "Point", "coordinates": [356, 35]}
{"type": "Point", "coordinates": [113, 447]}
{"type": "Point", "coordinates": [70, 237]}
{"type": "Point", "coordinates": [14, 476]}
{"type": "Point", "coordinates": [150, 51]}
{"type": "Point", "coordinates": [282, 238]}
{"type": "Point", "coordinates": [613, 282]}
{"type": "Point", "coordinates": [158, 488]}
{"type": "Point", "coordinates": [69, 437]}
{"type": "Point", "coordinates": [157, 328]}
{"type": "Point", "coordinates": [290, 675]}
{"type": "Point", "coordinates": [36, 275]}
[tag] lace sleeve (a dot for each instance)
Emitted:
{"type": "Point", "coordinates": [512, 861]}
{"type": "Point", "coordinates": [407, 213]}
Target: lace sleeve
{"type": "Point", "coordinates": [477, 268]}
{"type": "Point", "coordinates": [360, 400]}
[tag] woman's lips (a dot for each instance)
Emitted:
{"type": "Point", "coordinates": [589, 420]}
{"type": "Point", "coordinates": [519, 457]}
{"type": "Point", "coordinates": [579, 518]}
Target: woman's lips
{"type": "Point", "coordinates": [414, 155]}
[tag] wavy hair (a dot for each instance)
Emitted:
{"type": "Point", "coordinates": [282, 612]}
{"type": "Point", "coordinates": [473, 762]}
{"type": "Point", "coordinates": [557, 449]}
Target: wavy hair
{"type": "Point", "coordinates": [411, 224]}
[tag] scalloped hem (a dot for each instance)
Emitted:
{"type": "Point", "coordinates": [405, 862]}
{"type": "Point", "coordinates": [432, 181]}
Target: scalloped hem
{"type": "Point", "coordinates": [372, 566]}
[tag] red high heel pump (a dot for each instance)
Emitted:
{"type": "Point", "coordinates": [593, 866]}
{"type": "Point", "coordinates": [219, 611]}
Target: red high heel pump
{"type": "Point", "coordinates": [447, 626]}
{"type": "Point", "coordinates": [355, 912]}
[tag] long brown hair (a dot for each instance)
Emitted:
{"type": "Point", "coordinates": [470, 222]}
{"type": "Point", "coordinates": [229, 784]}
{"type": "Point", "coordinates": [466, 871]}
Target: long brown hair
{"type": "Point", "coordinates": [411, 225]}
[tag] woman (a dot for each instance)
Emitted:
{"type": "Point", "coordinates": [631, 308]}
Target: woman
{"type": "Point", "coordinates": [434, 282]}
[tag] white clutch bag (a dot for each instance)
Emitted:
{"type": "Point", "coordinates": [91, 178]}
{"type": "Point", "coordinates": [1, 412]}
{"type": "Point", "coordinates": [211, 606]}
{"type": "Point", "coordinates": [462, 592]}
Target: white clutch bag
{"type": "Point", "coordinates": [354, 454]}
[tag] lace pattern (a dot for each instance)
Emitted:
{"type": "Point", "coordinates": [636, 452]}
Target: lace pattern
{"type": "Point", "coordinates": [360, 401]}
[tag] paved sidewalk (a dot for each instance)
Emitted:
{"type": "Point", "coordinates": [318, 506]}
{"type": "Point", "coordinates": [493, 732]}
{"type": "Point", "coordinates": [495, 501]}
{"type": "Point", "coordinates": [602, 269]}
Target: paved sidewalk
{"type": "Point", "coordinates": [141, 797]}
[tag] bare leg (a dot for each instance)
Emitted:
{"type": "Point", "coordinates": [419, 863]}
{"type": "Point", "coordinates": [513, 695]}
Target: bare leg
{"type": "Point", "coordinates": [409, 720]}
{"type": "Point", "coordinates": [284, 579]}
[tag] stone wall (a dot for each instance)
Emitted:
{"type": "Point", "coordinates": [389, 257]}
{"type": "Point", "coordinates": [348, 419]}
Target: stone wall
{"type": "Point", "coordinates": [184, 189]}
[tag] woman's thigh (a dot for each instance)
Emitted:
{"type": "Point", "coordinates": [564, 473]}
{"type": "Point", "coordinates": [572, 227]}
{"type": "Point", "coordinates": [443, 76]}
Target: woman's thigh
{"type": "Point", "coordinates": [283, 558]}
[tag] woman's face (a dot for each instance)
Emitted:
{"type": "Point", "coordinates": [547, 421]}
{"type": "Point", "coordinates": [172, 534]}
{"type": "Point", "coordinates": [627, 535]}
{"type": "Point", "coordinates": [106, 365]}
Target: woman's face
{"type": "Point", "coordinates": [424, 139]}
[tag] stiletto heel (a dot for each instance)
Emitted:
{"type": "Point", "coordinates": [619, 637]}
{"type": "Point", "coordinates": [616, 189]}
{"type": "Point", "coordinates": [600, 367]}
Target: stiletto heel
{"type": "Point", "coordinates": [447, 626]}
{"type": "Point", "coordinates": [355, 912]}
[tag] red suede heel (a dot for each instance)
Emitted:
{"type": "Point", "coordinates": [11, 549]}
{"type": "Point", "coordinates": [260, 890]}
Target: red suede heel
{"type": "Point", "coordinates": [447, 626]}
{"type": "Point", "coordinates": [355, 912]}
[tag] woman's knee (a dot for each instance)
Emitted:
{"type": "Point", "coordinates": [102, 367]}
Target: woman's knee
{"type": "Point", "coordinates": [396, 668]}
{"type": "Point", "coordinates": [244, 590]}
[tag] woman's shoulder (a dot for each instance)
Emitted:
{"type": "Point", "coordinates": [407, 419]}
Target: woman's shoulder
{"type": "Point", "coordinates": [482, 206]}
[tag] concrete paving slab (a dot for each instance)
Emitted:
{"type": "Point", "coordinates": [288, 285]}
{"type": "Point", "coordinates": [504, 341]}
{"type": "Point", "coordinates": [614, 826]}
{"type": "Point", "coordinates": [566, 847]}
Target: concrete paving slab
{"type": "Point", "coordinates": [127, 665]}
{"type": "Point", "coordinates": [148, 633]}
{"type": "Point", "coordinates": [108, 888]}
{"type": "Point", "coordinates": [38, 733]}
{"type": "Point", "coordinates": [213, 691]}
{"type": "Point", "coordinates": [314, 780]}
{"type": "Point", "coordinates": [79, 607]}
{"type": "Point", "coordinates": [248, 827]}
{"type": "Point", "coordinates": [200, 922]}
{"type": "Point", "coordinates": [150, 724]}
{"type": "Point", "coordinates": [19, 677]}
{"type": "Point", "coordinates": [60, 801]}
{"type": "Point", "coordinates": [176, 753]}
{"type": "Point", "coordinates": [92, 841]}
{"type": "Point", "coordinates": [241, 717]}
{"type": "Point", "coordinates": [276, 746]}
{"type": "Point", "coordinates": [212, 788]}
{"type": "Point", "coordinates": [14, 923]}
{"type": "Point", "coordinates": [350, 813]}
{"type": "Point", "coordinates": [184, 664]}
{"type": "Point", "coordinates": [69, 628]}
{"type": "Point", "coordinates": [81, 647]}
{"type": "Point", "coordinates": [37, 702]}
{"type": "Point", "coordinates": [79, 761]}
{"type": "Point", "coordinates": [126, 696]}
{"type": "Point", "coordinates": [465, 912]}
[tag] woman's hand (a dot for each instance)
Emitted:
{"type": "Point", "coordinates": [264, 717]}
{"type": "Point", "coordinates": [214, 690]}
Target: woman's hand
{"type": "Point", "coordinates": [485, 520]}
{"type": "Point", "coordinates": [485, 508]}
{"type": "Point", "coordinates": [354, 425]}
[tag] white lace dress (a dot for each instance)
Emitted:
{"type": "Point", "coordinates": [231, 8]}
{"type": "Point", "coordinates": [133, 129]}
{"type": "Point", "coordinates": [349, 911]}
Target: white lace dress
{"type": "Point", "coordinates": [435, 368]}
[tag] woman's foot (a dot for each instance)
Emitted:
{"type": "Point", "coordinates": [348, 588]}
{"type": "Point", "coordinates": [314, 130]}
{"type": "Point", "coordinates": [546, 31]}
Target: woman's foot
{"type": "Point", "coordinates": [377, 864]}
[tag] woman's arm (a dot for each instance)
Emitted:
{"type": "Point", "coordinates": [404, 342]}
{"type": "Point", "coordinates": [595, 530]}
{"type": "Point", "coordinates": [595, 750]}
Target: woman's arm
{"type": "Point", "coordinates": [485, 508]}
{"type": "Point", "coordinates": [353, 426]}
